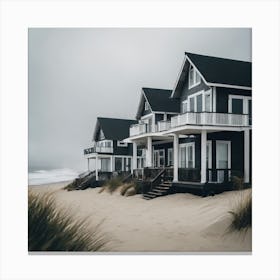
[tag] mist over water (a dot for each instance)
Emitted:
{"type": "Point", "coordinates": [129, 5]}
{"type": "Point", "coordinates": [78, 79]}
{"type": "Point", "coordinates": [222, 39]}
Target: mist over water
{"type": "Point", "coordinates": [39, 177]}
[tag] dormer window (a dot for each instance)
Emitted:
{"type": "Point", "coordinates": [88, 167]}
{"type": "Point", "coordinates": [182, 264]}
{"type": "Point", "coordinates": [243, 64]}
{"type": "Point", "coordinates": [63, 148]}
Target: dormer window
{"type": "Point", "coordinates": [194, 78]}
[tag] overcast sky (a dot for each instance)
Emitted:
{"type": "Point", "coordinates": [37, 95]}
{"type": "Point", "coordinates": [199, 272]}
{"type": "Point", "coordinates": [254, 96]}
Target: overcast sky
{"type": "Point", "coordinates": [76, 75]}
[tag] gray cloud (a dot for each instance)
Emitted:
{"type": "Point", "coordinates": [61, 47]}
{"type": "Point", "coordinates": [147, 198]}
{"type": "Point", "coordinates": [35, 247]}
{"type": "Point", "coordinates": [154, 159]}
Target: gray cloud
{"type": "Point", "coordinates": [76, 75]}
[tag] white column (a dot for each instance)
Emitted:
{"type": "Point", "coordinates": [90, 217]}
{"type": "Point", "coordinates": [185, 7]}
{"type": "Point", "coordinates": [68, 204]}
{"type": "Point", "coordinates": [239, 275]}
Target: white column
{"type": "Point", "coordinates": [134, 157]}
{"type": "Point", "coordinates": [203, 156]}
{"type": "Point", "coordinates": [112, 164]}
{"type": "Point", "coordinates": [96, 167]}
{"type": "Point", "coordinates": [247, 156]}
{"type": "Point", "coordinates": [175, 157]}
{"type": "Point", "coordinates": [149, 151]}
{"type": "Point", "coordinates": [87, 164]}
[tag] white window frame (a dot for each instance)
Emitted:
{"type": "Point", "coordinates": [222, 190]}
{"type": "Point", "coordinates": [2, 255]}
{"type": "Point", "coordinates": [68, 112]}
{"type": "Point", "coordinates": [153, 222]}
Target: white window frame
{"type": "Point", "coordinates": [170, 158]}
{"type": "Point", "coordinates": [196, 77]}
{"type": "Point", "coordinates": [207, 92]}
{"type": "Point", "coordinates": [186, 145]}
{"type": "Point", "coordinates": [184, 103]}
{"type": "Point", "coordinates": [229, 152]}
{"type": "Point", "coordinates": [121, 144]}
{"type": "Point", "coordinates": [158, 151]}
{"type": "Point", "coordinates": [194, 95]}
{"type": "Point", "coordinates": [245, 102]}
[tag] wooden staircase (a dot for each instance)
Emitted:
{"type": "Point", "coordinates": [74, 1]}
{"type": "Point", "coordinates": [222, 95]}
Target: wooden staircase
{"type": "Point", "coordinates": [156, 191]}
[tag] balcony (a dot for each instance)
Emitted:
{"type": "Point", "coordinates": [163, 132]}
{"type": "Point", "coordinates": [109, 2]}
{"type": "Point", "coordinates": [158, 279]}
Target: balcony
{"type": "Point", "coordinates": [140, 128]}
{"type": "Point", "coordinates": [99, 150]}
{"type": "Point", "coordinates": [208, 118]}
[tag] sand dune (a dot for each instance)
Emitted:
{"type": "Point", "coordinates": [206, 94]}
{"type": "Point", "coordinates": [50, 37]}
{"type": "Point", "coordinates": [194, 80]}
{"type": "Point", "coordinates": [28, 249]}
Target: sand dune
{"type": "Point", "coordinates": [174, 223]}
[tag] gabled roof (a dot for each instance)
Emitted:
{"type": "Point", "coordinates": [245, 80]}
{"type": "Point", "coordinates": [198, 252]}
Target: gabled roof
{"type": "Point", "coordinates": [217, 71]}
{"type": "Point", "coordinates": [113, 129]}
{"type": "Point", "coordinates": [159, 101]}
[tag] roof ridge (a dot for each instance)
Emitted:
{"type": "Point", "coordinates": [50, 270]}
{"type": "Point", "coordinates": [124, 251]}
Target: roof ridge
{"type": "Point", "coordinates": [218, 57]}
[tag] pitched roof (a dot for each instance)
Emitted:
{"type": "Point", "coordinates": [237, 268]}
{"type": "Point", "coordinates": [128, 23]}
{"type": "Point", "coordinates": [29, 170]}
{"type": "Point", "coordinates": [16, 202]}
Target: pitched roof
{"type": "Point", "coordinates": [159, 101]}
{"type": "Point", "coordinates": [113, 129]}
{"type": "Point", "coordinates": [222, 70]}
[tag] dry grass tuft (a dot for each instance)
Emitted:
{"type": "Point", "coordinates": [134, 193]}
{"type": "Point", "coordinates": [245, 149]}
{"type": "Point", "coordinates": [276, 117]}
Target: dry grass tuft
{"type": "Point", "coordinates": [53, 230]}
{"type": "Point", "coordinates": [242, 214]}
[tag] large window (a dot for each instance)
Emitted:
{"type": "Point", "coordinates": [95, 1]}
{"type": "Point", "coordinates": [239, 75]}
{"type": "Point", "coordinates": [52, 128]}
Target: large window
{"type": "Point", "coordinates": [187, 155]}
{"type": "Point", "coordinates": [118, 163]}
{"type": "Point", "coordinates": [170, 157]}
{"type": "Point", "coordinates": [105, 164]}
{"type": "Point", "coordinates": [238, 104]}
{"type": "Point", "coordinates": [194, 78]}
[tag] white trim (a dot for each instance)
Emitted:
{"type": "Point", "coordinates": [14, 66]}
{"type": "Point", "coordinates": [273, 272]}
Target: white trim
{"type": "Point", "coordinates": [214, 108]}
{"type": "Point", "coordinates": [157, 152]}
{"type": "Point", "coordinates": [178, 77]}
{"type": "Point", "coordinates": [147, 116]}
{"type": "Point", "coordinates": [121, 144]}
{"type": "Point", "coordinates": [161, 112]}
{"type": "Point", "coordinates": [228, 86]}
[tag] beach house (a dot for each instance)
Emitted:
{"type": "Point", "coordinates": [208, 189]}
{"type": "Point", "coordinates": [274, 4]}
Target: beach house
{"type": "Point", "coordinates": [198, 135]}
{"type": "Point", "coordinates": [109, 153]}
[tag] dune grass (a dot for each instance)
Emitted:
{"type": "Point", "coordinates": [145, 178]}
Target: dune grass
{"type": "Point", "coordinates": [242, 213]}
{"type": "Point", "coordinates": [53, 230]}
{"type": "Point", "coordinates": [113, 184]}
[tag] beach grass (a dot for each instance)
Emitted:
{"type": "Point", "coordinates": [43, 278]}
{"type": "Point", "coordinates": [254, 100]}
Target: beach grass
{"type": "Point", "coordinates": [242, 213]}
{"type": "Point", "coordinates": [50, 229]}
{"type": "Point", "coordinates": [113, 184]}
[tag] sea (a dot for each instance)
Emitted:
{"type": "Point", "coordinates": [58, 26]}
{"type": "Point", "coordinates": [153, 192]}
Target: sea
{"type": "Point", "coordinates": [40, 177]}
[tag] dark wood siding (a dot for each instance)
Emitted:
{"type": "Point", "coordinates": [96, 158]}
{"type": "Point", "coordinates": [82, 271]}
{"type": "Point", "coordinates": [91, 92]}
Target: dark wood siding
{"type": "Point", "coordinates": [222, 95]}
{"type": "Point", "coordinates": [159, 117]}
{"type": "Point", "coordinates": [122, 150]}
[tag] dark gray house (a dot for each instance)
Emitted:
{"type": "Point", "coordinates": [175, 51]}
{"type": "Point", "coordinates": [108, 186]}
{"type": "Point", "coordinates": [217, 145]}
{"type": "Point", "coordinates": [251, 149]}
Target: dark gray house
{"type": "Point", "coordinates": [109, 152]}
{"type": "Point", "coordinates": [200, 131]}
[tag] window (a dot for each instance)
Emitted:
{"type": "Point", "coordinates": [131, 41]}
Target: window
{"type": "Point", "coordinates": [121, 144]}
{"type": "Point", "coordinates": [208, 102]}
{"type": "Point", "coordinates": [105, 164]}
{"type": "Point", "coordinates": [187, 155]}
{"type": "Point", "coordinates": [192, 101]}
{"type": "Point", "coordinates": [170, 157]}
{"type": "Point", "coordinates": [118, 163]}
{"type": "Point", "coordinates": [184, 106]}
{"type": "Point", "coordinates": [199, 103]}
{"type": "Point", "coordinates": [238, 104]}
{"type": "Point", "coordinates": [194, 78]}
{"type": "Point", "coordinates": [146, 106]}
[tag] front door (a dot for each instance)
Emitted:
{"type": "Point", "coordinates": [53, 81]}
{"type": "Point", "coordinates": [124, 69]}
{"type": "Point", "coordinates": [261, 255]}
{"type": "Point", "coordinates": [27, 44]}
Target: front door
{"type": "Point", "coordinates": [223, 159]}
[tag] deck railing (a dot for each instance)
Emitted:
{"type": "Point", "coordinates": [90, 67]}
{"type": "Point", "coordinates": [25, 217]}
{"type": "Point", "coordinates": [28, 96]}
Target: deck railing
{"type": "Point", "coordinates": [209, 118]}
{"type": "Point", "coordinates": [97, 149]}
{"type": "Point", "coordinates": [221, 175]}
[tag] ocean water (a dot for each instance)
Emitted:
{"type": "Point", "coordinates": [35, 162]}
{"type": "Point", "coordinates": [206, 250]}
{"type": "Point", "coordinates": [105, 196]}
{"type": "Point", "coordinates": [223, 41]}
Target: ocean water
{"type": "Point", "coordinates": [39, 177]}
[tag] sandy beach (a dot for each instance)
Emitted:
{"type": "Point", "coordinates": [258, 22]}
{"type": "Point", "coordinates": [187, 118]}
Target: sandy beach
{"type": "Point", "coordinates": [173, 223]}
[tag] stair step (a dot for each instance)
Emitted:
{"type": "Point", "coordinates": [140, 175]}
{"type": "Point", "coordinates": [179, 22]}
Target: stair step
{"type": "Point", "coordinates": [155, 193]}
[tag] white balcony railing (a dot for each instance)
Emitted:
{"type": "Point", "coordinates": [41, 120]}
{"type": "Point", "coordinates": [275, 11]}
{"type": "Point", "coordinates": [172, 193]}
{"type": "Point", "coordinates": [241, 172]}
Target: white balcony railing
{"type": "Point", "coordinates": [163, 125]}
{"type": "Point", "coordinates": [141, 128]}
{"type": "Point", "coordinates": [207, 118]}
{"type": "Point", "coordinates": [100, 150]}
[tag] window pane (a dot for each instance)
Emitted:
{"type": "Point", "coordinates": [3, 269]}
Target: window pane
{"type": "Point", "coordinates": [250, 111]}
{"type": "Point", "coordinates": [192, 104]}
{"type": "Point", "coordinates": [183, 157]}
{"type": "Point", "coordinates": [222, 155]}
{"type": "Point", "coordinates": [208, 103]}
{"type": "Point", "coordinates": [185, 107]}
{"type": "Point", "coordinates": [197, 78]}
{"type": "Point", "coordinates": [191, 80]}
{"type": "Point", "coordinates": [237, 106]}
{"type": "Point", "coordinates": [199, 103]}
{"type": "Point", "coordinates": [118, 164]}
{"type": "Point", "coordinates": [190, 157]}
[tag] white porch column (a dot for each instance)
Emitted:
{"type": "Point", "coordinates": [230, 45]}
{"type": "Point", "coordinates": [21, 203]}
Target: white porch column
{"type": "Point", "coordinates": [87, 164]}
{"type": "Point", "coordinates": [175, 157]}
{"type": "Point", "coordinates": [149, 151]}
{"type": "Point", "coordinates": [134, 157]}
{"type": "Point", "coordinates": [96, 167]}
{"type": "Point", "coordinates": [203, 156]}
{"type": "Point", "coordinates": [246, 156]}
